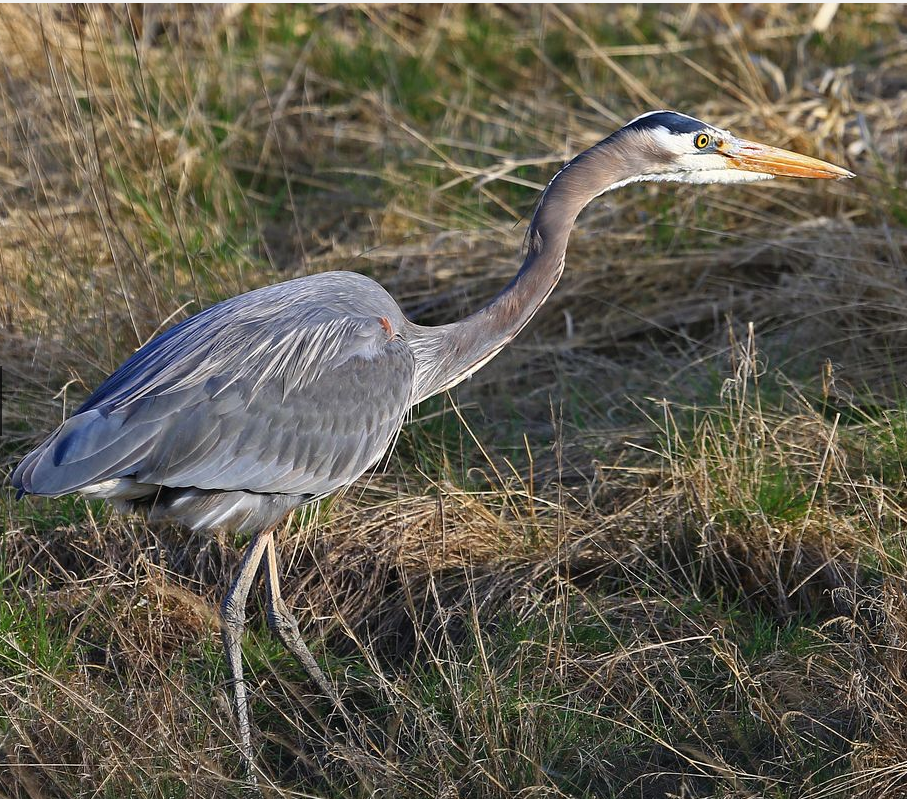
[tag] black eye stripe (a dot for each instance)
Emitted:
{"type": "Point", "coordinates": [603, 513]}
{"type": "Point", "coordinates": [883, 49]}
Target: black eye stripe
{"type": "Point", "coordinates": [670, 120]}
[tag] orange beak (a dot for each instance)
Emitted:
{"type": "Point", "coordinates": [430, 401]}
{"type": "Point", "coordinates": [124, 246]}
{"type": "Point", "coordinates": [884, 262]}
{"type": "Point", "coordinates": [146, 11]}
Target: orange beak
{"type": "Point", "coordinates": [751, 156]}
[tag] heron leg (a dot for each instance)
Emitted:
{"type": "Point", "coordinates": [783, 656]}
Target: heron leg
{"type": "Point", "coordinates": [284, 625]}
{"type": "Point", "coordinates": [233, 623]}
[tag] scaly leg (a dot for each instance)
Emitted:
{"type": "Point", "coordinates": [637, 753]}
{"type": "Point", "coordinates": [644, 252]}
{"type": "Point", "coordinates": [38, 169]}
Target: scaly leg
{"type": "Point", "coordinates": [233, 618]}
{"type": "Point", "coordinates": [286, 628]}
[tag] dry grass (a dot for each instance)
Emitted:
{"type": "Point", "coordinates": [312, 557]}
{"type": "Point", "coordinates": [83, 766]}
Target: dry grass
{"type": "Point", "coordinates": [656, 549]}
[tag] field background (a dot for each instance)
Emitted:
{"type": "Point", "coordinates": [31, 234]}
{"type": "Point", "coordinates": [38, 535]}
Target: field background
{"type": "Point", "coordinates": [655, 549]}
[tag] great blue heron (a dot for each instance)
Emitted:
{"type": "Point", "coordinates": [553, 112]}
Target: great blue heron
{"type": "Point", "coordinates": [273, 399]}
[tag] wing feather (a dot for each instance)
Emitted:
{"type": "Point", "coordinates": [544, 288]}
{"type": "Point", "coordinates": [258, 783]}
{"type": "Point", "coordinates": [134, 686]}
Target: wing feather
{"type": "Point", "coordinates": [274, 397]}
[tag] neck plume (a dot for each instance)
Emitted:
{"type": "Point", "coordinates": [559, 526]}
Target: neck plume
{"type": "Point", "coordinates": [448, 354]}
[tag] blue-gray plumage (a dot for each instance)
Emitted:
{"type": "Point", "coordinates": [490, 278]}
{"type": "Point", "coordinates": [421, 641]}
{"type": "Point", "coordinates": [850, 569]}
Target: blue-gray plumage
{"type": "Point", "coordinates": [280, 396]}
{"type": "Point", "coordinates": [288, 392]}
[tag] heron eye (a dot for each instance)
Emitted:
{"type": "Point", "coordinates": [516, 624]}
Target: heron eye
{"type": "Point", "coordinates": [702, 141]}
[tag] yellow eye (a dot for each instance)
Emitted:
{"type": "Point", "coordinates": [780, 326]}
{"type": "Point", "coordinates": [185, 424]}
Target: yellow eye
{"type": "Point", "coordinates": [702, 141]}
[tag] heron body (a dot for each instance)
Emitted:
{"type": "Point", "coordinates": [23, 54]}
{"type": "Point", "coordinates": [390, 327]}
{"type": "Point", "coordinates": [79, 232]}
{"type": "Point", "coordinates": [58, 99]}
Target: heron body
{"type": "Point", "coordinates": [237, 415]}
{"type": "Point", "coordinates": [275, 398]}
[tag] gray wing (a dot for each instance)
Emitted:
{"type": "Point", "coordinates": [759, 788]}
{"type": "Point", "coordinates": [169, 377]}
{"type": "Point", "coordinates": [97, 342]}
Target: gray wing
{"type": "Point", "coordinates": [285, 393]}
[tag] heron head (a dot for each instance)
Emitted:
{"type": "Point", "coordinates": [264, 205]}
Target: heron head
{"type": "Point", "coordinates": [676, 147]}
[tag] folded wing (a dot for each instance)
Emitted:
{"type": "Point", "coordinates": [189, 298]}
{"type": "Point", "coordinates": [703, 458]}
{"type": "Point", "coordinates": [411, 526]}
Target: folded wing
{"type": "Point", "coordinates": [283, 398]}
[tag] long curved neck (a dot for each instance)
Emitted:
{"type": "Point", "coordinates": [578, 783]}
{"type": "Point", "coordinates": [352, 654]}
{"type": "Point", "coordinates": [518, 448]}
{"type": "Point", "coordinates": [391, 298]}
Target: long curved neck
{"type": "Point", "coordinates": [447, 354]}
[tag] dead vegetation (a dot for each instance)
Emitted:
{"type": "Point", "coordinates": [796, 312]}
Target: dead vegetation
{"type": "Point", "coordinates": [656, 549]}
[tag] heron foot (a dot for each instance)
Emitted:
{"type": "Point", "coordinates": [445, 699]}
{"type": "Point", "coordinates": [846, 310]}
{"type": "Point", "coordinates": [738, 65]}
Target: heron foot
{"type": "Point", "coordinates": [284, 625]}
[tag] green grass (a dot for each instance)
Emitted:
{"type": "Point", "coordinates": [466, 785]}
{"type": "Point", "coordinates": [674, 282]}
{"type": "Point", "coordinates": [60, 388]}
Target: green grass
{"type": "Point", "coordinates": [32, 637]}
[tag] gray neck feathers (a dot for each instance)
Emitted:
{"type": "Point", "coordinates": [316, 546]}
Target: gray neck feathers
{"type": "Point", "coordinates": [447, 354]}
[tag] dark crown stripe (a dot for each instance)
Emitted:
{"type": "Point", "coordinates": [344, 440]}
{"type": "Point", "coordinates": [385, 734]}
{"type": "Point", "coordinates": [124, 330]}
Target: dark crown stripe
{"type": "Point", "coordinates": [675, 123]}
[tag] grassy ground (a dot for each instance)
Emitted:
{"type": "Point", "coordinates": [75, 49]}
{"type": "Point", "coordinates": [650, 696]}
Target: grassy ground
{"type": "Point", "coordinates": [656, 549]}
